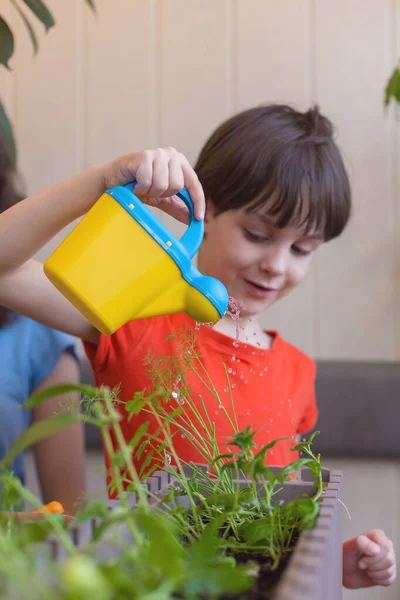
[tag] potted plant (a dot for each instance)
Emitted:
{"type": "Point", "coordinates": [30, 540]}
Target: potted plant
{"type": "Point", "coordinates": [230, 528]}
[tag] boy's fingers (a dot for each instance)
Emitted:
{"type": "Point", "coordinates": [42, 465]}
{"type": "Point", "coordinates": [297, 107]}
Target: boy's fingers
{"type": "Point", "coordinates": [175, 174]}
{"type": "Point", "coordinates": [378, 563]}
{"type": "Point", "coordinates": [144, 174]}
{"type": "Point", "coordinates": [195, 189]}
{"type": "Point", "coordinates": [366, 546]}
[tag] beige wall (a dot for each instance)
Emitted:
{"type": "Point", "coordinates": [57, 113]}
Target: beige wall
{"type": "Point", "coordinates": [148, 72]}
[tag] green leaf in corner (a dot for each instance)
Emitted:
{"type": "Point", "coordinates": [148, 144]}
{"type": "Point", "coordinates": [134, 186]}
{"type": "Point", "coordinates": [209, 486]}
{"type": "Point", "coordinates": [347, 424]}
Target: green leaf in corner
{"type": "Point", "coordinates": [41, 11]}
{"type": "Point", "coordinates": [6, 43]}
{"type": "Point", "coordinates": [92, 5]}
{"type": "Point", "coordinates": [6, 133]}
{"type": "Point", "coordinates": [29, 27]}
{"type": "Point", "coordinates": [39, 430]}
{"type": "Point", "coordinates": [393, 87]}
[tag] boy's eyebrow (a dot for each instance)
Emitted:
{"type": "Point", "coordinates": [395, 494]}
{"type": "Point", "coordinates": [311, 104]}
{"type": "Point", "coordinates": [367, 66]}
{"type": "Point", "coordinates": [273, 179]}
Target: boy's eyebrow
{"type": "Point", "coordinates": [269, 221]}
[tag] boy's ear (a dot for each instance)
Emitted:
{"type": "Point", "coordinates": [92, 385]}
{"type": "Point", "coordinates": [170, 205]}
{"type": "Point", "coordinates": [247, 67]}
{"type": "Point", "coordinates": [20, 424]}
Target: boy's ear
{"type": "Point", "coordinates": [209, 210]}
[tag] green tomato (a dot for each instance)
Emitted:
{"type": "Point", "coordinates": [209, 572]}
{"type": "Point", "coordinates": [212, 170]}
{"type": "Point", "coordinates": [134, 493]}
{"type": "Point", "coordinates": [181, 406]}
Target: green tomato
{"type": "Point", "coordinates": [82, 579]}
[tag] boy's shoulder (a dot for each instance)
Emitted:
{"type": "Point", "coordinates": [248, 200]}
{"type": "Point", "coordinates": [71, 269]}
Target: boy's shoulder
{"type": "Point", "coordinates": [296, 356]}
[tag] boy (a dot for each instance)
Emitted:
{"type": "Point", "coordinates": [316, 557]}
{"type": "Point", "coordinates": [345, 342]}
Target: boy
{"type": "Point", "coordinates": [276, 189]}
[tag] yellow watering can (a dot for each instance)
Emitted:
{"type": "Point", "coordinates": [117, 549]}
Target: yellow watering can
{"type": "Point", "coordinates": [121, 263]}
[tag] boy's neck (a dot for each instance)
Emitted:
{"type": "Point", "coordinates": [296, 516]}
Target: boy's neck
{"type": "Point", "coordinates": [249, 331]}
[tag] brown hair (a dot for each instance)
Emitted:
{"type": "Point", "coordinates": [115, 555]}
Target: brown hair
{"type": "Point", "coordinates": [8, 197]}
{"type": "Point", "coordinates": [284, 159]}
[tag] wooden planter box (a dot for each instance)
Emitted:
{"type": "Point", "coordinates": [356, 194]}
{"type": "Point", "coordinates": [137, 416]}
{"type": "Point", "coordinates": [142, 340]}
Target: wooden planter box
{"type": "Point", "coordinates": [314, 571]}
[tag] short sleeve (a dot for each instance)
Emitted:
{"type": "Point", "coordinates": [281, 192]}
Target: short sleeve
{"type": "Point", "coordinates": [48, 346]}
{"type": "Point", "coordinates": [310, 414]}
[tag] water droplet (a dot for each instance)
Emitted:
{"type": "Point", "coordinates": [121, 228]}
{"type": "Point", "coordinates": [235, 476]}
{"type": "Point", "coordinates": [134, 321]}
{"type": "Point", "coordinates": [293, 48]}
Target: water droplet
{"type": "Point", "coordinates": [190, 351]}
{"type": "Point", "coordinates": [258, 364]}
{"type": "Point", "coordinates": [261, 374]}
{"type": "Point", "coordinates": [265, 408]}
{"type": "Point", "coordinates": [229, 370]}
{"type": "Point", "coordinates": [251, 370]}
{"type": "Point", "coordinates": [246, 381]}
{"type": "Point", "coordinates": [238, 360]}
{"type": "Point", "coordinates": [233, 385]}
{"type": "Point", "coordinates": [248, 412]}
{"type": "Point", "coordinates": [265, 368]}
{"type": "Point", "coordinates": [225, 390]}
{"type": "Point", "coordinates": [233, 358]}
{"type": "Point", "coordinates": [175, 395]}
{"type": "Point", "coordinates": [168, 459]}
{"type": "Point", "coordinates": [220, 406]}
{"type": "Point", "coordinates": [241, 377]}
{"type": "Point", "coordinates": [270, 420]}
{"type": "Point", "coordinates": [182, 436]}
{"type": "Point", "coordinates": [217, 412]}
{"type": "Point", "coordinates": [253, 352]}
{"type": "Point", "coordinates": [234, 372]}
{"type": "Point", "coordinates": [278, 414]}
{"type": "Point", "coordinates": [262, 354]}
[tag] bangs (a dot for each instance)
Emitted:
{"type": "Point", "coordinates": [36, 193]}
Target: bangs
{"type": "Point", "coordinates": [281, 162]}
{"type": "Point", "coordinates": [304, 189]}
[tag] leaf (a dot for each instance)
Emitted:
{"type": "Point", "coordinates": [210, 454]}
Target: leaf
{"type": "Point", "coordinates": [56, 390]}
{"type": "Point", "coordinates": [393, 87]}
{"type": "Point", "coordinates": [6, 43]}
{"type": "Point", "coordinates": [94, 510]}
{"type": "Point", "coordinates": [29, 27]}
{"type": "Point", "coordinates": [92, 5]}
{"type": "Point", "coordinates": [302, 510]}
{"type": "Point", "coordinates": [164, 553]}
{"type": "Point", "coordinates": [37, 432]}
{"type": "Point", "coordinates": [41, 11]}
{"type": "Point", "coordinates": [139, 434]}
{"type": "Point", "coordinates": [6, 132]}
{"type": "Point", "coordinates": [257, 530]}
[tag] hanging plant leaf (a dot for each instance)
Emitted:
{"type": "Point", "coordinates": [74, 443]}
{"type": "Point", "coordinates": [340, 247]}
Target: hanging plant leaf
{"type": "Point", "coordinates": [92, 5]}
{"type": "Point", "coordinates": [29, 27]}
{"type": "Point", "coordinates": [6, 133]}
{"type": "Point", "coordinates": [6, 43]}
{"type": "Point", "coordinates": [393, 87]}
{"type": "Point", "coordinates": [41, 11]}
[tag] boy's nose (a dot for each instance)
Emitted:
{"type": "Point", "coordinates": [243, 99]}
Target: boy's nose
{"type": "Point", "coordinates": [274, 262]}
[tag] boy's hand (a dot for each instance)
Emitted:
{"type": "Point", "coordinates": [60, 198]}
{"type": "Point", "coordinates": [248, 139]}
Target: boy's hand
{"type": "Point", "coordinates": [160, 174]}
{"type": "Point", "coordinates": [369, 559]}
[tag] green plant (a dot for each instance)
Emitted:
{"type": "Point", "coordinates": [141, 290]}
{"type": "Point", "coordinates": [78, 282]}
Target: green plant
{"type": "Point", "coordinates": [392, 89]}
{"type": "Point", "coordinates": [43, 13]}
{"type": "Point", "coordinates": [209, 534]}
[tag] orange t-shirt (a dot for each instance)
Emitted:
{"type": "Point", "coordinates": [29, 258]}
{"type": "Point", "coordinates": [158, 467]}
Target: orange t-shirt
{"type": "Point", "coordinates": [272, 390]}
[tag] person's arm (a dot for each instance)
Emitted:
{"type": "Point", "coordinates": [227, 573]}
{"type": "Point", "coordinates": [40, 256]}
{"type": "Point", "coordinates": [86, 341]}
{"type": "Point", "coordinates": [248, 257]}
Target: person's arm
{"type": "Point", "coordinates": [30, 224]}
{"type": "Point", "coordinates": [368, 560]}
{"type": "Point", "coordinates": [60, 459]}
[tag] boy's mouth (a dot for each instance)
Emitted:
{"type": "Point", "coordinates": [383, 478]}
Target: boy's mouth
{"type": "Point", "coordinates": [258, 290]}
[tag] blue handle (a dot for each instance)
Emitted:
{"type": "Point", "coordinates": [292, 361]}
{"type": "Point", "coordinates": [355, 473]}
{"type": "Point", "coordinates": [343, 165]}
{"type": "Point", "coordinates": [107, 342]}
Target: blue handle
{"type": "Point", "coordinates": [193, 236]}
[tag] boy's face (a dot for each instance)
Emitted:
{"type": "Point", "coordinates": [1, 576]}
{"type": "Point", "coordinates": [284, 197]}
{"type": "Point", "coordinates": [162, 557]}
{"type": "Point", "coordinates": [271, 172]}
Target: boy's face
{"type": "Point", "coordinates": [257, 262]}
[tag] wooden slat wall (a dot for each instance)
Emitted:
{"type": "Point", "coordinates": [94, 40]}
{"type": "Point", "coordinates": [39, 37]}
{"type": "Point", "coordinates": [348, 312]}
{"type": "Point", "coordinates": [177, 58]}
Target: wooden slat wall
{"type": "Point", "coordinates": [166, 72]}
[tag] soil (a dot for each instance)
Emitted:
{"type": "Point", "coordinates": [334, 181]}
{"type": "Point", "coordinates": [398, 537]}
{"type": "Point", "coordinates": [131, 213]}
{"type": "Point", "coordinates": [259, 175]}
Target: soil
{"type": "Point", "coordinates": [267, 580]}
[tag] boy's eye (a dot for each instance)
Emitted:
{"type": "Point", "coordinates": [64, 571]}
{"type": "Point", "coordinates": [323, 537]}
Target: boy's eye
{"type": "Point", "coordinates": [254, 237]}
{"type": "Point", "coordinates": [301, 251]}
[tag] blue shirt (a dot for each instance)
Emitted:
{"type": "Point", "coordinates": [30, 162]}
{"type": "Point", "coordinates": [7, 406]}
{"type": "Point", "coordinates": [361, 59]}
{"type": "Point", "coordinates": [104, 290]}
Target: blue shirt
{"type": "Point", "coordinates": [29, 351]}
